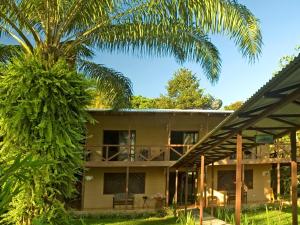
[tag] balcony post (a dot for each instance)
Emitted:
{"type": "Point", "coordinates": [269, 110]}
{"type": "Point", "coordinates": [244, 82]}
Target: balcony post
{"type": "Point", "coordinates": [201, 203]}
{"type": "Point", "coordinates": [127, 184]}
{"type": "Point", "coordinates": [176, 189]}
{"type": "Point", "coordinates": [294, 177]}
{"type": "Point", "coordinates": [167, 185]}
{"type": "Point", "coordinates": [238, 187]}
{"type": "Point", "coordinates": [106, 153]}
{"type": "Point", "coordinates": [278, 181]}
{"type": "Point", "coordinates": [186, 190]}
{"type": "Point", "coordinates": [129, 145]}
{"type": "Point", "coordinates": [212, 188]}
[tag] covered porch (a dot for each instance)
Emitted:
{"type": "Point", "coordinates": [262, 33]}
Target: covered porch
{"type": "Point", "coordinates": [271, 113]}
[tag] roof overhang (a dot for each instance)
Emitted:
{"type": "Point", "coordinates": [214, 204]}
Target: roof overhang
{"type": "Point", "coordinates": [274, 110]}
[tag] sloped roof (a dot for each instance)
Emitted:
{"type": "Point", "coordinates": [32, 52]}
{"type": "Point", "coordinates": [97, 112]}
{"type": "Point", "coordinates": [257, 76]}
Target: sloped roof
{"type": "Point", "coordinates": [162, 111]}
{"type": "Point", "coordinates": [274, 109]}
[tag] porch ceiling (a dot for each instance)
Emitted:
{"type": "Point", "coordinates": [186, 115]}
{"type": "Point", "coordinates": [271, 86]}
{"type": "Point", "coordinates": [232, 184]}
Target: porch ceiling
{"type": "Point", "coordinates": [274, 109]}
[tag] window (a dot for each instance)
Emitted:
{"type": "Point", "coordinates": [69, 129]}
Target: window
{"type": "Point", "coordinates": [116, 141]}
{"type": "Point", "coordinates": [182, 138]}
{"type": "Point", "coordinates": [116, 183]}
{"type": "Point", "coordinates": [226, 179]}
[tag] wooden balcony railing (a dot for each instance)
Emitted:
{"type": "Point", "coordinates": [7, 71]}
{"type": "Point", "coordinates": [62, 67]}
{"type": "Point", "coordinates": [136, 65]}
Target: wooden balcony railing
{"type": "Point", "coordinates": [135, 152]}
{"type": "Point", "coordinates": [276, 151]}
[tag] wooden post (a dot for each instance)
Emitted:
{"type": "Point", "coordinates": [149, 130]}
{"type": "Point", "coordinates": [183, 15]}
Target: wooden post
{"type": "Point", "coordinates": [126, 188]}
{"type": "Point", "coordinates": [205, 187]}
{"type": "Point", "coordinates": [212, 188]}
{"type": "Point", "coordinates": [278, 181]}
{"type": "Point", "coordinates": [294, 176]}
{"type": "Point", "coordinates": [201, 190]}
{"type": "Point", "coordinates": [167, 185]}
{"type": "Point", "coordinates": [193, 183]}
{"type": "Point", "coordinates": [186, 190]}
{"type": "Point", "coordinates": [176, 189]}
{"type": "Point", "coordinates": [238, 187]}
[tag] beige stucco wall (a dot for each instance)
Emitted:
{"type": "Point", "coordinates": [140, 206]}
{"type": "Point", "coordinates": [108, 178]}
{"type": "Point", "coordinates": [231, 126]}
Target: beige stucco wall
{"type": "Point", "coordinates": [261, 191]}
{"type": "Point", "coordinates": [93, 189]}
{"type": "Point", "coordinates": [150, 128]}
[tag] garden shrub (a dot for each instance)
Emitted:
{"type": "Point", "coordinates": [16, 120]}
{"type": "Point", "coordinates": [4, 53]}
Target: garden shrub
{"type": "Point", "coordinates": [42, 111]}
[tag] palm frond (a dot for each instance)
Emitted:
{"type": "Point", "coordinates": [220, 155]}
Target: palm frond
{"type": "Point", "coordinates": [110, 86]}
{"type": "Point", "coordinates": [180, 28]}
{"type": "Point", "coordinates": [8, 51]}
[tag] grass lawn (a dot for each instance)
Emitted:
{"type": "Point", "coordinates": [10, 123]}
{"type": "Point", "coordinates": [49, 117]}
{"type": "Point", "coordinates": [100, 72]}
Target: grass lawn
{"type": "Point", "coordinates": [272, 216]}
{"type": "Point", "coordinates": [168, 220]}
{"type": "Point", "coordinates": [261, 216]}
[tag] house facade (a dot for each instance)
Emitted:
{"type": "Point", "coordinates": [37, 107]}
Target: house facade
{"type": "Point", "coordinates": [132, 151]}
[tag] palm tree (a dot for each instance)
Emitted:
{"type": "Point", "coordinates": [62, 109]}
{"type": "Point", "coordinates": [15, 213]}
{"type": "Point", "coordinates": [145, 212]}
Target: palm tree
{"type": "Point", "coordinates": [74, 28]}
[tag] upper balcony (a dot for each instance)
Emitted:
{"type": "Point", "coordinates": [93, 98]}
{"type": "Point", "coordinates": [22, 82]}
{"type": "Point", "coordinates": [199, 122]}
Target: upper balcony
{"type": "Point", "coordinates": [137, 155]}
{"type": "Point", "coordinates": [276, 153]}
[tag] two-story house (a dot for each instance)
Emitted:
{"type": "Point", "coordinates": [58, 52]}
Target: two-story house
{"type": "Point", "coordinates": [132, 151]}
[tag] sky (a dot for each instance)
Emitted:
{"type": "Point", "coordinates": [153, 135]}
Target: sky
{"type": "Point", "coordinates": [239, 80]}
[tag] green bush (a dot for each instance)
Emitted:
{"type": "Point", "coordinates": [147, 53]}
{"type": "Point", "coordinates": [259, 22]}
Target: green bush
{"type": "Point", "coordinates": [42, 111]}
{"type": "Point", "coordinates": [187, 219]}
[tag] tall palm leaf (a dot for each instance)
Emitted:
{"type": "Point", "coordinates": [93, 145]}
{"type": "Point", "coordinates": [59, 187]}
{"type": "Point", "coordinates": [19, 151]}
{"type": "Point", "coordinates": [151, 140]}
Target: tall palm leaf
{"type": "Point", "coordinates": [179, 28]}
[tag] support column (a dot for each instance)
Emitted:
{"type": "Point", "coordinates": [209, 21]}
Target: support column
{"type": "Point", "coordinates": [186, 190]}
{"type": "Point", "coordinates": [167, 185]}
{"type": "Point", "coordinates": [126, 187]}
{"type": "Point", "coordinates": [205, 188]}
{"type": "Point", "coordinates": [201, 203]}
{"type": "Point", "coordinates": [278, 181]}
{"type": "Point", "coordinates": [176, 189]}
{"type": "Point", "coordinates": [238, 187]}
{"type": "Point", "coordinates": [212, 188]}
{"type": "Point", "coordinates": [294, 177]}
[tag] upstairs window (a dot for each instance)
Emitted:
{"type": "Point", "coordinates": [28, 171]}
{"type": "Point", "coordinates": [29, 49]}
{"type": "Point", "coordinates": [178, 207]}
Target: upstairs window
{"type": "Point", "coordinates": [182, 138]}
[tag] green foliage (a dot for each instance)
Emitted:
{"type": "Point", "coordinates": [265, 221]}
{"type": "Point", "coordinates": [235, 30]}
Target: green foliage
{"type": "Point", "coordinates": [178, 28]}
{"type": "Point", "coordinates": [111, 88]}
{"type": "Point", "coordinates": [141, 102]}
{"type": "Point", "coordinates": [13, 173]}
{"type": "Point", "coordinates": [183, 92]}
{"type": "Point", "coordinates": [42, 112]}
{"type": "Point", "coordinates": [187, 219]}
{"type": "Point", "coordinates": [286, 59]}
{"type": "Point", "coordinates": [234, 106]}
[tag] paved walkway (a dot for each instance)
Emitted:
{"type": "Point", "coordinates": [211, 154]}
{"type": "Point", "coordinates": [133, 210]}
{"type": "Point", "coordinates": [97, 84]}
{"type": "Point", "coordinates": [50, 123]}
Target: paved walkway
{"type": "Point", "coordinates": [207, 219]}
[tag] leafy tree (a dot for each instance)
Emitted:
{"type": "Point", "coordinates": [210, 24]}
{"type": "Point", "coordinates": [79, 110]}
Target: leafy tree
{"type": "Point", "coordinates": [234, 106]}
{"type": "Point", "coordinates": [141, 102]}
{"type": "Point", "coordinates": [183, 92]}
{"type": "Point", "coordinates": [286, 59]}
{"type": "Point", "coordinates": [179, 28]}
{"type": "Point", "coordinates": [42, 111]}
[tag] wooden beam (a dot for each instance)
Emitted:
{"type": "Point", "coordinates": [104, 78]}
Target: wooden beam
{"type": "Point", "coordinates": [238, 187]}
{"type": "Point", "coordinates": [280, 90]}
{"type": "Point", "coordinates": [278, 181]}
{"type": "Point", "coordinates": [201, 203]}
{"type": "Point", "coordinates": [294, 177]}
{"type": "Point", "coordinates": [167, 185]}
{"type": "Point", "coordinates": [126, 186]}
{"type": "Point", "coordinates": [176, 188]}
{"type": "Point", "coordinates": [212, 187]}
{"type": "Point", "coordinates": [285, 121]}
{"type": "Point", "coordinates": [186, 190]}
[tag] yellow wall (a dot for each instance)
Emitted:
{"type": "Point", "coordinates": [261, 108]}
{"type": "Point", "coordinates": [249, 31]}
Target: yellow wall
{"type": "Point", "coordinates": [93, 189]}
{"type": "Point", "coordinates": [153, 129]}
{"type": "Point", "coordinates": [261, 191]}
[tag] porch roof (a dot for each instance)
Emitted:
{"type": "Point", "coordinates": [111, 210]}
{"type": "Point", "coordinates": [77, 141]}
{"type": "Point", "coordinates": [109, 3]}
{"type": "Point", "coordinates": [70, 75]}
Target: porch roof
{"type": "Point", "coordinates": [273, 110]}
